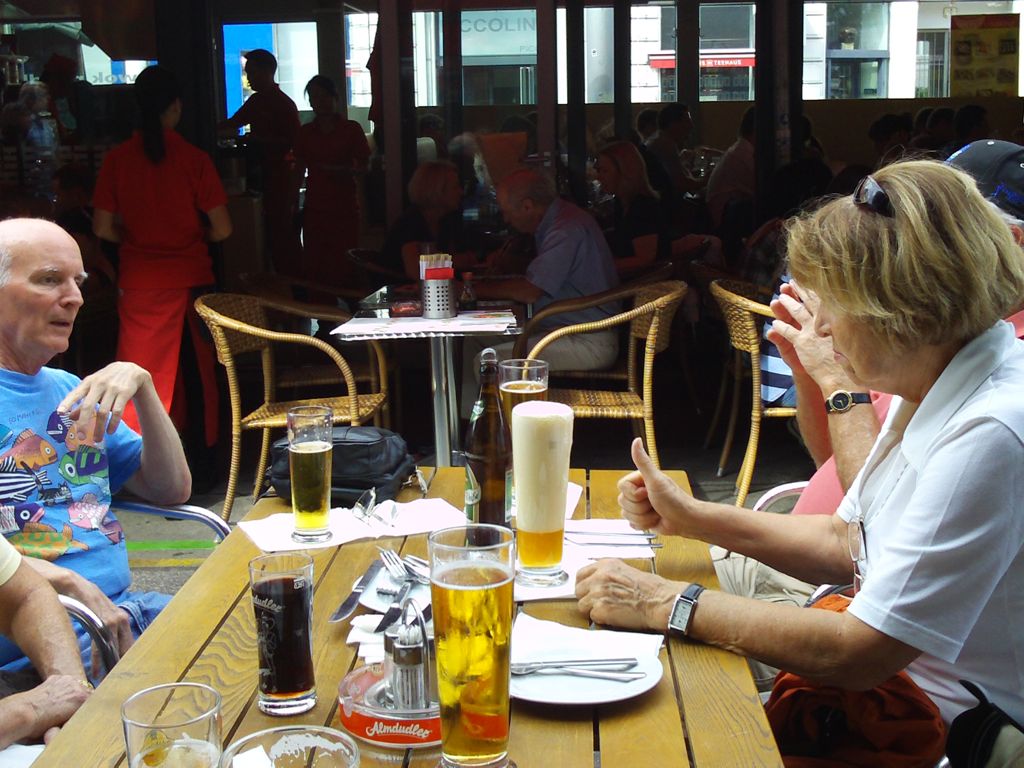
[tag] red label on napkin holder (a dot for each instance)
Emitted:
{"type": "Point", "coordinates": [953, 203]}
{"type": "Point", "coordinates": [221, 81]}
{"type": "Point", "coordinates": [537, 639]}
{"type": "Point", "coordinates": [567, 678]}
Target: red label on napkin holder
{"type": "Point", "coordinates": [439, 273]}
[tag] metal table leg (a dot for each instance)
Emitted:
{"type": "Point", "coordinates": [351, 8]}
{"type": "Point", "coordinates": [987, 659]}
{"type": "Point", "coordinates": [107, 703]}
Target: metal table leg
{"type": "Point", "coordinates": [441, 388]}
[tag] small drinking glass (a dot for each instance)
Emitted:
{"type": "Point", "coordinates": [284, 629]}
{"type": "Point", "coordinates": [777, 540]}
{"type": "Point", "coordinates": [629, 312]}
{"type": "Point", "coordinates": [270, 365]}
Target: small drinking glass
{"type": "Point", "coordinates": [294, 745]}
{"type": "Point", "coordinates": [173, 724]}
{"type": "Point", "coordinates": [282, 599]}
{"type": "Point", "coordinates": [471, 575]}
{"type": "Point", "coordinates": [309, 464]}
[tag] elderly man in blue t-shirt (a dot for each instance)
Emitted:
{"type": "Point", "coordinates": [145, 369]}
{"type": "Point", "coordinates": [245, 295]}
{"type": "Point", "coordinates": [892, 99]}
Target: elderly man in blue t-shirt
{"type": "Point", "coordinates": [63, 448]}
{"type": "Point", "coordinates": [573, 260]}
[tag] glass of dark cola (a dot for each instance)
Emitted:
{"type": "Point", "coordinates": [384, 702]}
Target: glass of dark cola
{"type": "Point", "coordinates": [282, 599]}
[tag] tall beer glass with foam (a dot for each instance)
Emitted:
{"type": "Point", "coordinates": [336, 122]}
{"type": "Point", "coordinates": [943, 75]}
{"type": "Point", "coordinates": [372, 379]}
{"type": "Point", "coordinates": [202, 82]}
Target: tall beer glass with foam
{"type": "Point", "coordinates": [541, 443]}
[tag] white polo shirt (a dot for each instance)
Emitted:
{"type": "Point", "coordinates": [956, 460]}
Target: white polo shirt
{"type": "Point", "coordinates": [941, 497]}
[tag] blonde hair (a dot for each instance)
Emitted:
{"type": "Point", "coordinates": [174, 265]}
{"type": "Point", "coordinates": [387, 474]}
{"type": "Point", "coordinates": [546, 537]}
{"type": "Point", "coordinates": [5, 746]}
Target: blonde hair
{"type": "Point", "coordinates": [626, 158]}
{"type": "Point", "coordinates": [427, 185]}
{"type": "Point", "coordinates": [944, 267]}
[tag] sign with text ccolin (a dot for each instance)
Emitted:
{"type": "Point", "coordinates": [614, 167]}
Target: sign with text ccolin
{"type": "Point", "coordinates": [499, 33]}
{"type": "Point", "coordinates": [984, 53]}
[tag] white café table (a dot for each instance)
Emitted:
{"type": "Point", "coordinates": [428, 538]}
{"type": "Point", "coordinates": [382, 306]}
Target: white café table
{"type": "Point", "coordinates": [378, 325]}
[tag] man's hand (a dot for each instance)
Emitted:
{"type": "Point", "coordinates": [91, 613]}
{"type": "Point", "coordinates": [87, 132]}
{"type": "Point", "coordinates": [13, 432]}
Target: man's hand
{"type": "Point", "coordinates": [54, 702]}
{"type": "Point", "coordinates": [615, 594]}
{"type": "Point", "coordinates": [98, 402]}
{"type": "Point", "coordinates": [802, 349]}
{"type": "Point", "coordinates": [650, 500]}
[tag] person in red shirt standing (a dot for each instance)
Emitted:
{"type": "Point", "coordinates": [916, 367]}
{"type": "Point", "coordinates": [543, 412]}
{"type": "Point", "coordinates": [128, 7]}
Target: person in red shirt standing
{"type": "Point", "coordinates": [335, 152]}
{"type": "Point", "coordinates": [273, 121]}
{"type": "Point", "coordinates": [162, 200]}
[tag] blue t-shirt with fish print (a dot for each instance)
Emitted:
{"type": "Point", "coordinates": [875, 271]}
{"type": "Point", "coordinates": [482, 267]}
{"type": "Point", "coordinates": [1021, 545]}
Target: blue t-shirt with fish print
{"type": "Point", "coordinates": [55, 488]}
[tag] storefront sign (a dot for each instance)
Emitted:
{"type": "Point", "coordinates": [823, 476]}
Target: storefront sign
{"type": "Point", "coordinates": [499, 33]}
{"type": "Point", "coordinates": [668, 61]}
{"type": "Point", "coordinates": [985, 55]}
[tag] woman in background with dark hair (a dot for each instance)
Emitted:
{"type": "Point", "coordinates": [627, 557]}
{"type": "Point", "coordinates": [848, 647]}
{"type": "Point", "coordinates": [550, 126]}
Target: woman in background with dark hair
{"type": "Point", "coordinates": [335, 152]}
{"type": "Point", "coordinates": [162, 200]}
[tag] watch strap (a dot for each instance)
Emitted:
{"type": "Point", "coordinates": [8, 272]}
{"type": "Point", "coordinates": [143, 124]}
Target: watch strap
{"type": "Point", "coordinates": [688, 596]}
{"type": "Point", "coordinates": [841, 400]}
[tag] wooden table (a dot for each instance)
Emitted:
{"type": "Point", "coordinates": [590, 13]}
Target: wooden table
{"type": "Point", "coordinates": [704, 712]}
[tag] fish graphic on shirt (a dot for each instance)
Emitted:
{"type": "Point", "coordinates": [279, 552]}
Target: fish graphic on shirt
{"type": "Point", "coordinates": [17, 482]}
{"type": "Point", "coordinates": [86, 465]}
{"type": "Point", "coordinates": [14, 517]}
{"type": "Point", "coordinates": [62, 429]}
{"type": "Point", "coordinates": [30, 450]}
{"type": "Point", "coordinates": [39, 540]}
{"type": "Point", "coordinates": [89, 513]}
{"type": "Point", "coordinates": [6, 433]}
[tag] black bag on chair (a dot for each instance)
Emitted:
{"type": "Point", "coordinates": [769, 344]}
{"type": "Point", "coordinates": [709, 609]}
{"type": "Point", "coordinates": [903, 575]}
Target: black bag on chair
{"type": "Point", "coordinates": [362, 458]}
{"type": "Point", "coordinates": [985, 736]}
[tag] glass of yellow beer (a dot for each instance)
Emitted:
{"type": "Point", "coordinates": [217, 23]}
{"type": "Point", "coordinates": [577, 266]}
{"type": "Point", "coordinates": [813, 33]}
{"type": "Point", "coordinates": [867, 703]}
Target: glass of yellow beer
{"type": "Point", "coordinates": [541, 443]}
{"type": "Point", "coordinates": [309, 464]}
{"type": "Point", "coordinates": [519, 380]}
{"type": "Point", "coordinates": [471, 577]}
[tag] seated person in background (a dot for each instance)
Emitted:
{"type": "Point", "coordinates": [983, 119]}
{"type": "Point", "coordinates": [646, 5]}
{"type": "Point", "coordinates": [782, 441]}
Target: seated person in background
{"type": "Point", "coordinates": [639, 234]}
{"type": "Point", "coordinates": [935, 504]}
{"type": "Point", "coordinates": [732, 178]}
{"type": "Point", "coordinates": [646, 123]}
{"type": "Point", "coordinates": [31, 614]}
{"type": "Point", "coordinates": [573, 260]}
{"type": "Point", "coordinates": [433, 222]}
{"type": "Point", "coordinates": [64, 450]}
{"type": "Point", "coordinates": [674, 126]}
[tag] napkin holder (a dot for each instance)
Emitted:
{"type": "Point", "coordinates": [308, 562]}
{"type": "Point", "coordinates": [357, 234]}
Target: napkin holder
{"type": "Point", "coordinates": [439, 300]}
{"type": "Point", "coordinates": [367, 709]}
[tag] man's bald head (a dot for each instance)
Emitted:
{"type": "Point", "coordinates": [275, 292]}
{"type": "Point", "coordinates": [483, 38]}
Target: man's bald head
{"type": "Point", "coordinates": [22, 236]}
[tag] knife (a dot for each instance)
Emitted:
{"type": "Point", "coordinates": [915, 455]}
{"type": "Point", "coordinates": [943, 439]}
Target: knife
{"type": "Point", "coordinates": [348, 605]}
{"type": "Point", "coordinates": [395, 609]}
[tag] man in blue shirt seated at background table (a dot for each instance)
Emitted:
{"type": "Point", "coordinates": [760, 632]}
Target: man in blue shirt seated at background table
{"type": "Point", "coordinates": [573, 260]}
{"type": "Point", "coordinates": [63, 448]}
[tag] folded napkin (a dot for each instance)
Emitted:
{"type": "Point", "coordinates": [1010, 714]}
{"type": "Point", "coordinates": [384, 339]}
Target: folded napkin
{"type": "Point", "coordinates": [274, 533]}
{"type": "Point", "coordinates": [598, 546]}
{"type": "Point", "coordinates": [371, 644]}
{"type": "Point", "coordinates": [537, 640]}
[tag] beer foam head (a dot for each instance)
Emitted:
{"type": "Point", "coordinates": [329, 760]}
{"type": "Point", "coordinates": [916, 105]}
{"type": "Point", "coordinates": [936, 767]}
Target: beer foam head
{"type": "Point", "coordinates": [542, 409]}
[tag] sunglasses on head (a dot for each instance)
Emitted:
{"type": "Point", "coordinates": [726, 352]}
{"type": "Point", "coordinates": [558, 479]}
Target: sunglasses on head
{"type": "Point", "coordinates": [869, 194]}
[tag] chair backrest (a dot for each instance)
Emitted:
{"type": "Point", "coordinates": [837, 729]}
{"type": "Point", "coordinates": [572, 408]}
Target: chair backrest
{"type": "Point", "coordinates": [232, 318]}
{"type": "Point", "coordinates": [742, 313]}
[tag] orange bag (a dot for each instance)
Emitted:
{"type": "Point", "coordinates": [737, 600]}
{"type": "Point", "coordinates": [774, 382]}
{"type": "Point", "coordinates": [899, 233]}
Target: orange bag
{"type": "Point", "coordinates": [894, 725]}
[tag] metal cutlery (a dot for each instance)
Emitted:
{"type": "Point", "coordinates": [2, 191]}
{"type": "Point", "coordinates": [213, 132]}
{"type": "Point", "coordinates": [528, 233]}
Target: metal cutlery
{"type": "Point", "coordinates": [399, 570]}
{"type": "Point", "coordinates": [620, 534]}
{"type": "Point", "coordinates": [348, 605]}
{"type": "Point", "coordinates": [581, 671]}
{"type": "Point", "coordinates": [395, 609]}
{"type": "Point", "coordinates": [527, 667]}
{"type": "Point", "coordinates": [640, 543]}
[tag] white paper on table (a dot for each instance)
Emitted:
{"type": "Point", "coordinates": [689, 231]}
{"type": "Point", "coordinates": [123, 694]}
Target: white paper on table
{"type": "Point", "coordinates": [572, 498]}
{"type": "Point", "coordinates": [18, 755]}
{"type": "Point", "coordinates": [596, 547]}
{"type": "Point", "coordinates": [492, 321]}
{"type": "Point", "coordinates": [256, 757]}
{"type": "Point", "coordinates": [274, 533]}
{"type": "Point", "coordinates": [537, 640]}
{"type": "Point", "coordinates": [572, 561]}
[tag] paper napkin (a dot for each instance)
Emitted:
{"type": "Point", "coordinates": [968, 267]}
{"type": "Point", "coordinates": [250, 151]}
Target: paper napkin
{"type": "Point", "coordinates": [274, 533]}
{"type": "Point", "coordinates": [537, 640]}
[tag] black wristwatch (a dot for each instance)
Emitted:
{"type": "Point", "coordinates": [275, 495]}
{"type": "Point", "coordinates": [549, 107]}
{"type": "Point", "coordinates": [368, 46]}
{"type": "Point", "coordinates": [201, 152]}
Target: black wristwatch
{"type": "Point", "coordinates": [841, 401]}
{"type": "Point", "coordinates": [681, 618]}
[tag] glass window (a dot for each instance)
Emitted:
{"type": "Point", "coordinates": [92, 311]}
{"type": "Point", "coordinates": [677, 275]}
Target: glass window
{"type": "Point", "coordinates": [857, 26]}
{"type": "Point", "coordinates": [360, 30]}
{"type": "Point", "coordinates": [726, 25]}
{"type": "Point", "coordinates": [499, 57]}
{"type": "Point", "coordinates": [932, 64]}
{"type": "Point", "coordinates": [294, 45]}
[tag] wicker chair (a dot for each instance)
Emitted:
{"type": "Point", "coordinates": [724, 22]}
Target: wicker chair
{"type": "Point", "coordinates": [239, 325]}
{"type": "Point", "coordinates": [285, 297]}
{"type": "Point", "coordinates": [743, 317]}
{"type": "Point", "coordinates": [650, 320]}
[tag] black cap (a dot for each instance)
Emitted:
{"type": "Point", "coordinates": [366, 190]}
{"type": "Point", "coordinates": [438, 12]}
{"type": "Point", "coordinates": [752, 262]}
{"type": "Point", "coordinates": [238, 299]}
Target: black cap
{"type": "Point", "coordinates": [998, 167]}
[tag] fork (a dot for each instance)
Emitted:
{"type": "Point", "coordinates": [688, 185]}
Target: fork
{"type": "Point", "coordinates": [398, 570]}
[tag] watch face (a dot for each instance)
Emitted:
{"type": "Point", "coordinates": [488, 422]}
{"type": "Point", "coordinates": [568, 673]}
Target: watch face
{"type": "Point", "coordinates": [841, 401]}
{"type": "Point", "coordinates": [680, 615]}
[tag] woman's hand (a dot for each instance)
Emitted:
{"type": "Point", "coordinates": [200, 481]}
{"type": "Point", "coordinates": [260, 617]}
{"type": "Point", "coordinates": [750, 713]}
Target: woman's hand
{"type": "Point", "coordinates": [802, 349]}
{"type": "Point", "coordinates": [650, 500]}
{"type": "Point", "coordinates": [615, 594]}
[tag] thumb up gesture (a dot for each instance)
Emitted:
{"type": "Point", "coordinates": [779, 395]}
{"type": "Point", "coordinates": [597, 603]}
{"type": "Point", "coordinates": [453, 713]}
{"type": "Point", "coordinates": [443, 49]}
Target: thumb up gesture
{"type": "Point", "coordinates": [650, 500]}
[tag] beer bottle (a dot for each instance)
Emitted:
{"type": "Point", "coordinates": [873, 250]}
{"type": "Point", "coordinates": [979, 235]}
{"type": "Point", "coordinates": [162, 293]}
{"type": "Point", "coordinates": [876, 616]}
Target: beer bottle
{"type": "Point", "coordinates": [488, 450]}
{"type": "Point", "coordinates": [467, 301]}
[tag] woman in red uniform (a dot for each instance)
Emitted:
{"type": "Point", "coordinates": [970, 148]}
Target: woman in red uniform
{"type": "Point", "coordinates": [335, 152]}
{"type": "Point", "coordinates": [162, 200]}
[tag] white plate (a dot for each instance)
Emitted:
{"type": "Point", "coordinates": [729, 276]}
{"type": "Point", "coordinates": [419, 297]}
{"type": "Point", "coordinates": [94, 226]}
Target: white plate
{"type": "Point", "coordinates": [380, 603]}
{"type": "Point", "coordinates": [549, 688]}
